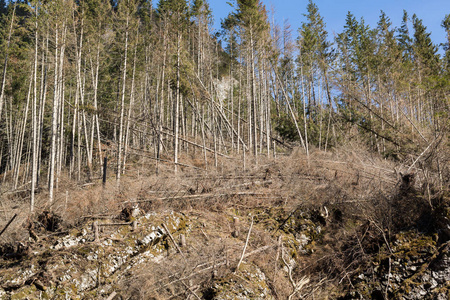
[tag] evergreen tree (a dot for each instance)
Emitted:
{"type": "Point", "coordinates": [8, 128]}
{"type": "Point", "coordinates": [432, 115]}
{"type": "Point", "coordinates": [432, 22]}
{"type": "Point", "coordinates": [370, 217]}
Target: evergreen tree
{"type": "Point", "coordinates": [252, 19]}
{"type": "Point", "coordinates": [404, 38]}
{"type": "Point", "coordinates": [425, 52]}
{"type": "Point", "coordinates": [446, 25]}
{"type": "Point", "coordinates": [178, 15]}
{"type": "Point", "coordinates": [314, 59]}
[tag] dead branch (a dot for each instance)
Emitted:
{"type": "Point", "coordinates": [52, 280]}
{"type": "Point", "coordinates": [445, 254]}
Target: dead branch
{"type": "Point", "coordinates": [7, 225]}
{"type": "Point", "coordinates": [296, 286]}
{"type": "Point", "coordinates": [190, 290]}
{"type": "Point", "coordinates": [245, 246]}
{"type": "Point", "coordinates": [113, 294]}
{"type": "Point", "coordinates": [221, 263]}
{"type": "Point", "coordinates": [173, 240]}
{"type": "Point", "coordinates": [198, 196]}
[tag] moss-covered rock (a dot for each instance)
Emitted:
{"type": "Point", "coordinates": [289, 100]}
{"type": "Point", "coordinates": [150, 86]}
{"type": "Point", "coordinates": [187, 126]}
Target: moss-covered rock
{"type": "Point", "coordinates": [415, 269]}
{"type": "Point", "coordinates": [249, 282]}
{"type": "Point", "coordinates": [78, 266]}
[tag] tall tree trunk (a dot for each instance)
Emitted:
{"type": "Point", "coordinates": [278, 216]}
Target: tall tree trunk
{"type": "Point", "coordinates": [55, 117]}
{"type": "Point", "coordinates": [61, 90]}
{"type": "Point", "coordinates": [97, 123]}
{"type": "Point", "coordinates": [34, 118]}
{"type": "Point", "coordinates": [43, 98]}
{"type": "Point", "coordinates": [253, 96]}
{"type": "Point", "coordinates": [5, 66]}
{"type": "Point", "coordinates": [130, 109]}
{"type": "Point", "coordinates": [176, 106]}
{"type": "Point", "coordinates": [122, 108]}
{"type": "Point", "coordinates": [20, 140]}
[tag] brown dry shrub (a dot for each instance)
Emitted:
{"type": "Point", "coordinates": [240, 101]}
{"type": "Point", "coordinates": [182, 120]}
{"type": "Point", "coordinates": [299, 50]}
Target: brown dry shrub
{"type": "Point", "coordinates": [355, 187]}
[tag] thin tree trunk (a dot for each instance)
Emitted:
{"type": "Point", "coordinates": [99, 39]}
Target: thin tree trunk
{"type": "Point", "coordinates": [122, 108]}
{"type": "Point", "coordinates": [54, 122]}
{"type": "Point", "coordinates": [176, 106]}
{"type": "Point", "coordinates": [97, 123]}
{"type": "Point", "coordinates": [5, 66]}
{"type": "Point", "coordinates": [61, 89]}
{"type": "Point", "coordinates": [34, 118]}
{"type": "Point", "coordinates": [253, 96]}
{"type": "Point", "coordinates": [304, 111]}
{"type": "Point", "coordinates": [130, 109]}
{"type": "Point", "coordinates": [19, 145]}
{"type": "Point", "coordinates": [43, 99]}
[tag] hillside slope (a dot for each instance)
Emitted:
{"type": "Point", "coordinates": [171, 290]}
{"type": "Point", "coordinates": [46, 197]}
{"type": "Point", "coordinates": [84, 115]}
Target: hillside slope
{"type": "Point", "coordinates": [345, 225]}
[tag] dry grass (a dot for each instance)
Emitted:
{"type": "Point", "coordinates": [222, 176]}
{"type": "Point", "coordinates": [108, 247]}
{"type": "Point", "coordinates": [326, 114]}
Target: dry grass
{"type": "Point", "coordinates": [357, 192]}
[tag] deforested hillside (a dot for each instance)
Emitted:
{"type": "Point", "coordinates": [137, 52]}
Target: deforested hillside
{"type": "Point", "coordinates": [340, 225]}
{"type": "Point", "coordinates": [145, 155]}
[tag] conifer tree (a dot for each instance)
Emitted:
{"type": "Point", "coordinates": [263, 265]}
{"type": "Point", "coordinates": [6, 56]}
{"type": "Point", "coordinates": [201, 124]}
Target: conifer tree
{"type": "Point", "coordinates": [252, 19]}
{"type": "Point", "coordinates": [404, 38]}
{"type": "Point", "coordinates": [425, 52]}
{"type": "Point", "coordinates": [446, 26]}
{"type": "Point", "coordinates": [176, 11]}
{"type": "Point", "coordinates": [314, 59]}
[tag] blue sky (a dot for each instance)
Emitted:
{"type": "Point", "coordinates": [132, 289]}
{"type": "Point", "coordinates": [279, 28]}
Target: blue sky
{"type": "Point", "coordinates": [432, 12]}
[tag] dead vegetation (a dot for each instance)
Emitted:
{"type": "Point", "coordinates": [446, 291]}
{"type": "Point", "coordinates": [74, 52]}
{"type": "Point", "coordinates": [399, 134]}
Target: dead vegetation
{"type": "Point", "coordinates": [317, 222]}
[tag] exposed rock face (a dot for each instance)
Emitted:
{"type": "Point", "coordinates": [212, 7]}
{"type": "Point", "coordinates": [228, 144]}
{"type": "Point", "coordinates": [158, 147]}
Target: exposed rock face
{"type": "Point", "coordinates": [417, 269]}
{"type": "Point", "coordinates": [247, 283]}
{"type": "Point", "coordinates": [74, 266]}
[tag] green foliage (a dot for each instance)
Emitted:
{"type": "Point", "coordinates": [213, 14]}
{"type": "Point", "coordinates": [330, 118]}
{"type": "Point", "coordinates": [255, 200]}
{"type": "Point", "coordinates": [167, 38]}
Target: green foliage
{"type": "Point", "coordinates": [357, 45]}
{"type": "Point", "coordinates": [425, 52]}
{"type": "Point", "coordinates": [200, 9]}
{"type": "Point", "coordinates": [252, 18]}
{"type": "Point", "coordinates": [446, 25]}
{"type": "Point", "coordinates": [285, 127]}
{"type": "Point", "coordinates": [403, 37]}
{"type": "Point", "coordinates": [176, 10]}
{"type": "Point", "coordinates": [313, 39]}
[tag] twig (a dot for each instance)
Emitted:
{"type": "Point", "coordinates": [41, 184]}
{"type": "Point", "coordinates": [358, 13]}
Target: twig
{"type": "Point", "coordinates": [382, 233]}
{"type": "Point", "coordinates": [276, 259]}
{"type": "Point", "coordinates": [223, 262]}
{"type": "Point", "coordinates": [189, 289]}
{"type": "Point", "coordinates": [245, 246]}
{"type": "Point", "coordinates": [172, 239]}
{"type": "Point", "coordinates": [290, 215]}
{"type": "Point", "coordinates": [111, 296]}
{"type": "Point", "coordinates": [115, 224]}
{"type": "Point", "coordinates": [297, 286]}
{"type": "Point", "coordinates": [204, 234]}
{"type": "Point", "coordinates": [389, 280]}
{"type": "Point", "coordinates": [6, 226]}
{"type": "Point", "coordinates": [95, 228]}
{"type": "Point", "coordinates": [198, 196]}
{"type": "Point", "coordinates": [421, 154]}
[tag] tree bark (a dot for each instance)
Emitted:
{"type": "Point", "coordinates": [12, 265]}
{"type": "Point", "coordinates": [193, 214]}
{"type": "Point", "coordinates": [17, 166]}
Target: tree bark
{"type": "Point", "coordinates": [122, 107]}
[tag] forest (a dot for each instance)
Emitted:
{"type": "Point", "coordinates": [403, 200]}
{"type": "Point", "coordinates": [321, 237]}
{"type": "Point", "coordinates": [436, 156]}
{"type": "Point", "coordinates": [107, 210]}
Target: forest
{"type": "Point", "coordinates": [114, 91]}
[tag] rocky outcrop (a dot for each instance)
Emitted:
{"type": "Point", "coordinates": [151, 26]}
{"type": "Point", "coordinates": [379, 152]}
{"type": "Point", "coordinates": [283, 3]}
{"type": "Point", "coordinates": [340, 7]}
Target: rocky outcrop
{"type": "Point", "coordinates": [75, 266]}
{"type": "Point", "coordinates": [416, 269]}
{"type": "Point", "coordinates": [249, 282]}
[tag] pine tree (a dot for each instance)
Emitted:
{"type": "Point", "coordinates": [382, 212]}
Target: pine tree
{"type": "Point", "coordinates": [314, 59]}
{"type": "Point", "coordinates": [446, 25]}
{"type": "Point", "coordinates": [252, 19]}
{"type": "Point", "coordinates": [176, 13]}
{"type": "Point", "coordinates": [404, 38]}
{"type": "Point", "coordinates": [425, 52]}
{"type": "Point", "coordinates": [127, 20]}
